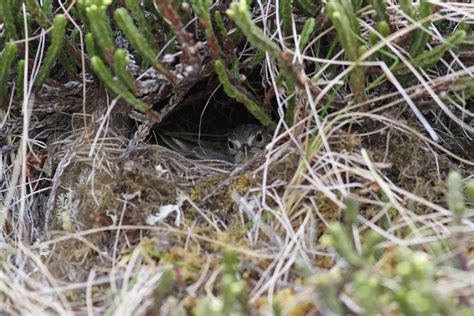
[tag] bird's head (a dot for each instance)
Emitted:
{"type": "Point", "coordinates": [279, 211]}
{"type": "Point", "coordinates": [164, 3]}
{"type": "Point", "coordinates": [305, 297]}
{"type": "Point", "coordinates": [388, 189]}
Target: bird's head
{"type": "Point", "coordinates": [245, 141]}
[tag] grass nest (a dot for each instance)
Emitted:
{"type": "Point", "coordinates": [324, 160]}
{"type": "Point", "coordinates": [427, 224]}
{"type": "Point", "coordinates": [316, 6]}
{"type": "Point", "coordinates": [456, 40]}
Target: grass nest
{"type": "Point", "coordinates": [361, 203]}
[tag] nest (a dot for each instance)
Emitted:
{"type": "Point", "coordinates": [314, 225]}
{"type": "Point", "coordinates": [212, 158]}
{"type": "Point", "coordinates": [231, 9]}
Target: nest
{"type": "Point", "coordinates": [101, 215]}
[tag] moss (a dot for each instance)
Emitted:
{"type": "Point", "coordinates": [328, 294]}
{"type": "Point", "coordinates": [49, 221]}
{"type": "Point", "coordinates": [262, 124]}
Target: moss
{"type": "Point", "coordinates": [205, 186]}
{"type": "Point", "coordinates": [190, 263]}
{"type": "Point", "coordinates": [223, 203]}
{"type": "Point", "coordinates": [414, 168]}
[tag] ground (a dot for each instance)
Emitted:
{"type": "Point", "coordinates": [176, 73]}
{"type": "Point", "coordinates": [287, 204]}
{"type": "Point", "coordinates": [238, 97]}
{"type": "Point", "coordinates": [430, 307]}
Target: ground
{"type": "Point", "coordinates": [361, 203]}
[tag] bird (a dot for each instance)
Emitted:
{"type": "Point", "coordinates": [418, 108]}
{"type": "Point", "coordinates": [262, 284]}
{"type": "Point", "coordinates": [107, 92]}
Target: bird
{"type": "Point", "coordinates": [246, 141]}
{"type": "Point", "coordinates": [242, 144]}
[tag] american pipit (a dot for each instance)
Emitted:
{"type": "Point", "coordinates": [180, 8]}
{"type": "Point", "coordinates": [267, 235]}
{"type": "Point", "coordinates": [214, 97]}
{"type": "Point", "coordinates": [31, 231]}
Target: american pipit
{"type": "Point", "coordinates": [242, 144]}
{"type": "Point", "coordinates": [245, 141]}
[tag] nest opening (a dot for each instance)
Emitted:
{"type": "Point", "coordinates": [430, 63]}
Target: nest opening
{"type": "Point", "coordinates": [206, 114]}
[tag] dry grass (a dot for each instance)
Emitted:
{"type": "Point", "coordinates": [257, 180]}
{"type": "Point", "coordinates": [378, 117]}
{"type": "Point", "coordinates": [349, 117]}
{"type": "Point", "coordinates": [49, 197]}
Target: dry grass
{"type": "Point", "coordinates": [122, 226]}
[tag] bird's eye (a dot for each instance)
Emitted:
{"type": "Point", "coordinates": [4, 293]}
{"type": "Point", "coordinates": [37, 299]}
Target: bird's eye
{"type": "Point", "coordinates": [230, 144]}
{"type": "Point", "coordinates": [259, 137]}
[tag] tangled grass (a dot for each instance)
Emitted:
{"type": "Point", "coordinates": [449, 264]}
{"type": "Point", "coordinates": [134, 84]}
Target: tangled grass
{"type": "Point", "coordinates": [362, 202]}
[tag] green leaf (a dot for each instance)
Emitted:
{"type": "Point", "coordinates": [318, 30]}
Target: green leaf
{"type": "Point", "coordinates": [285, 13]}
{"type": "Point", "coordinates": [380, 6]}
{"type": "Point", "coordinates": [420, 36]}
{"type": "Point", "coordinates": [308, 29]}
{"type": "Point", "coordinates": [116, 86]}
{"type": "Point", "coordinates": [233, 92]}
{"type": "Point", "coordinates": [454, 195]}
{"type": "Point", "coordinates": [100, 28]}
{"type": "Point", "coordinates": [6, 61]}
{"type": "Point", "coordinates": [428, 59]}
{"type": "Point", "coordinates": [7, 17]}
{"type": "Point", "coordinates": [306, 6]}
{"type": "Point", "coordinates": [137, 14]}
{"type": "Point", "coordinates": [240, 14]}
{"type": "Point", "coordinates": [38, 14]}
{"type": "Point", "coordinates": [120, 69]}
{"type": "Point", "coordinates": [54, 49]}
{"type": "Point", "coordinates": [137, 40]}
{"type": "Point", "coordinates": [20, 76]}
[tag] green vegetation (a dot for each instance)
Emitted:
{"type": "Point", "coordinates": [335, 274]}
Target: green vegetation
{"type": "Point", "coordinates": [354, 208]}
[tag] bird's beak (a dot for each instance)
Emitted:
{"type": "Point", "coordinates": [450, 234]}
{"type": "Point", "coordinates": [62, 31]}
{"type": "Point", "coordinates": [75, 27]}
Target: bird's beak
{"type": "Point", "coordinates": [245, 150]}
